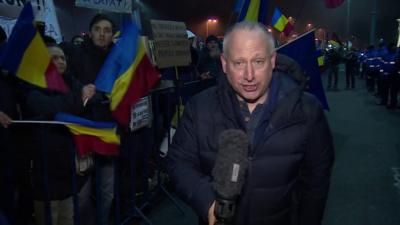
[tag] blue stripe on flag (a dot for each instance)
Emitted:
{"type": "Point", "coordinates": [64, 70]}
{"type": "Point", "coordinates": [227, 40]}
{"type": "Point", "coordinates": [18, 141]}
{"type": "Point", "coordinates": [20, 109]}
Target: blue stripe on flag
{"type": "Point", "coordinates": [120, 58]}
{"type": "Point", "coordinates": [262, 13]}
{"type": "Point", "coordinates": [20, 38]}
{"type": "Point", "coordinates": [68, 118]}
{"type": "Point", "coordinates": [243, 12]}
{"type": "Point", "coordinates": [276, 16]}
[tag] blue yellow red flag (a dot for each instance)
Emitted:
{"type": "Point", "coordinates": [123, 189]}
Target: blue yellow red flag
{"type": "Point", "coordinates": [127, 73]}
{"type": "Point", "coordinates": [91, 136]}
{"type": "Point", "coordinates": [281, 23]}
{"type": "Point", "coordinates": [27, 57]}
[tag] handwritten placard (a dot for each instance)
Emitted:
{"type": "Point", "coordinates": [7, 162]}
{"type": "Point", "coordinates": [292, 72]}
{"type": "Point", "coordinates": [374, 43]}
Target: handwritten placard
{"type": "Point", "coordinates": [170, 43]}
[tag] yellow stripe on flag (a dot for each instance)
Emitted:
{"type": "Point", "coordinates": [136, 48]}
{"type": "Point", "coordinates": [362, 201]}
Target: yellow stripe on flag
{"type": "Point", "coordinates": [281, 24]}
{"type": "Point", "coordinates": [108, 135]}
{"type": "Point", "coordinates": [34, 63]}
{"type": "Point", "coordinates": [252, 12]}
{"type": "Point", "coordinates": [121, 84]}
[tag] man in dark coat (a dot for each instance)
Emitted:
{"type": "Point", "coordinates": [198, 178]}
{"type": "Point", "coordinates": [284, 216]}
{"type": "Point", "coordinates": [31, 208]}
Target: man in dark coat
{"type": "Point", "coordinates": [209, 63]}
{"type": "Point", "coordinates": [291, 149]}
{"type": "Point", "coordinates": [86, 62]}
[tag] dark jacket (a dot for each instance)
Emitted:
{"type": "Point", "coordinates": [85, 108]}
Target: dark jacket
{"type": "Point", "coordinates": [285, 64]}
{"type": "Point", "coordinates": [84, 63]}
{"type": "Point", "coordinates": [208, 64]}
{"type": "Point", "coordinates": [289, 168]}
{"type": "Point", "coordinates": [56, 140]}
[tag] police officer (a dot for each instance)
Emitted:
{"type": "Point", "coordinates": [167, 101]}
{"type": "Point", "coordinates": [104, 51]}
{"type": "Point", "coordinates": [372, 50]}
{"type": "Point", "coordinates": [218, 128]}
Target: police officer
{"type": "Point", "coordinates": [371, 67]}
{"type": "Point", "coordinates": [388, 74]}
{"type": "Point", "coordinates": [351, 67]}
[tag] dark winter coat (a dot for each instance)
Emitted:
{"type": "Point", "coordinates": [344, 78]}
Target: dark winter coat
{"type": "Point", "coordinates": [55, 140]}
{"type": "Point", "coordinates": [208, 64]}
{"type": "Point", "coordinates": [85, 63]}
{"type": "Point", "coordinates": [288, 177]}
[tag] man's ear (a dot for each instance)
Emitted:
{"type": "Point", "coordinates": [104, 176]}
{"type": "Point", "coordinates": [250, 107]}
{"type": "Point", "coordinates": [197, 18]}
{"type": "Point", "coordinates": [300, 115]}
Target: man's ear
{"type": "Point", "coordinates": [223, 62]}
{"type": "Point", "coordinates": [273, 60]}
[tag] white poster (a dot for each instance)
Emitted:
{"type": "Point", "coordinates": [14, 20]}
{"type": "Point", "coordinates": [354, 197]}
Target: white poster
{"type": "Point", "coordinates": [123, 6]}
{"type": "Point", "coordinates": [49, 17]}
{"type": "Point", "coordinates": [12, 8]}
{"type": "Point", "coordinates": [45, 13]}
{"type": "Point", "coordinates": [141, 114]}
{"type": "Point", "coordinates": [7, 24]}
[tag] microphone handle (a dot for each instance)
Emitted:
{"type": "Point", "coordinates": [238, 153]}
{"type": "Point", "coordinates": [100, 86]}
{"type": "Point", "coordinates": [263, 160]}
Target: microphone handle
{"type": "Point", "coordinates": [224, 211]}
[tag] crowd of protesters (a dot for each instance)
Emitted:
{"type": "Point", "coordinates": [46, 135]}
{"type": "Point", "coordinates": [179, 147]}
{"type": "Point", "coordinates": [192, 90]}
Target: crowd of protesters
{"type": "Point", "coordinates": [24, 197]}
{"type": "Point", "coordinates": [33, 186]}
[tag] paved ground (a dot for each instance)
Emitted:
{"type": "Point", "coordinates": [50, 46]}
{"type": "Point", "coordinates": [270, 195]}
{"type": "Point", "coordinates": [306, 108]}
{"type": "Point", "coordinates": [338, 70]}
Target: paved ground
{"type": "Point", "coordinates": [365, 186]}
{"type": "Point", "coordinates": [366, 177]}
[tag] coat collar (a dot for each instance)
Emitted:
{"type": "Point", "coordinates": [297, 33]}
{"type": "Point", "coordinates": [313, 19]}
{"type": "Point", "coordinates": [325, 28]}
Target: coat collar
{"type": "Point", "coordinates": [284, 111]}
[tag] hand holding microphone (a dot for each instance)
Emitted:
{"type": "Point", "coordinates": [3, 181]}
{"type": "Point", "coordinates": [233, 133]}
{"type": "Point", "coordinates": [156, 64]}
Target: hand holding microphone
{"type": "Point", "coordinates": [229, 173]}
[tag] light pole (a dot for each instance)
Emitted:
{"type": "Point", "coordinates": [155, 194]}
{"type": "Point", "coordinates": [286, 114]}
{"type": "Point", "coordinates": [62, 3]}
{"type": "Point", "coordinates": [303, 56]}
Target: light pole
{"type": "Point", "coordinates": [209, 21]}
{"type": "Point", "coordinates": [398, 40]}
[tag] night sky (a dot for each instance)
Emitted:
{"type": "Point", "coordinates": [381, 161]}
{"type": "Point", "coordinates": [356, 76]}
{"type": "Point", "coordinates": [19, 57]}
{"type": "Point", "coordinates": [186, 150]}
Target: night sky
{"type": "Point", "coordinates": [195, 13]}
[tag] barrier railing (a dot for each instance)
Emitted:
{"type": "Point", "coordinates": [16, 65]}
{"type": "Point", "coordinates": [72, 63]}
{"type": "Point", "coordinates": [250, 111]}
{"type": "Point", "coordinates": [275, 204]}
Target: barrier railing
{"type": "Point", "coordinates": [166, 101]}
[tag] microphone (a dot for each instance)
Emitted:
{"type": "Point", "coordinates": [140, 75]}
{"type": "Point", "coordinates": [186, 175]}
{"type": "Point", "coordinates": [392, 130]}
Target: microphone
{"type": "Point", "coordinates": [229, 172]}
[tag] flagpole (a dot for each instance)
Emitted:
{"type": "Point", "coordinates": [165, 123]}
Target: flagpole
{"type": "Point", "coordinates": [179, 86]}
{"type": "Point", "coordinates": [348, 18]}
{"type": "Point", "coordinates": [40, 122]}
{"type": "Point", "coordinates": [372, 32]}
{"type": "Point", "coordinates": [398, 40]}
{"type": "Point", "coordinates": [295, 39]}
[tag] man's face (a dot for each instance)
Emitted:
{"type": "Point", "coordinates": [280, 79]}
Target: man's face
{"type": "Point", "coordinates": [101, 34]}
{"type": "Point", "coordinates": [78, 41]}
{"type": "Point", "coordinates": [58, 58]}
{"type": "Point", "coordinates": [212, 45]}
{"type": "Point", "coordinates": [248, 65]}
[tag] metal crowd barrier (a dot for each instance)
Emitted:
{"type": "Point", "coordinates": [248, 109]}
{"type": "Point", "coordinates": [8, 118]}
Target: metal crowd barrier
{"type": "Point", "coordinates": [173, 94]}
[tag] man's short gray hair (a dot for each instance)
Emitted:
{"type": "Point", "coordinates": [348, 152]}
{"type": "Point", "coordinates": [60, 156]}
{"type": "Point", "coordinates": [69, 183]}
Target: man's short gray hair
{"type": "Point", "coordinates": [249, 26]}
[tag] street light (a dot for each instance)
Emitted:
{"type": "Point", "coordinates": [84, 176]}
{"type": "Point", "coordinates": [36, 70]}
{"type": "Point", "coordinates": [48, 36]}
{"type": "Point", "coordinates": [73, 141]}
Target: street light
{"type": "Point", "coordinates": [309, 26]}
{"type": "Point", "coordinates": [210, 21]}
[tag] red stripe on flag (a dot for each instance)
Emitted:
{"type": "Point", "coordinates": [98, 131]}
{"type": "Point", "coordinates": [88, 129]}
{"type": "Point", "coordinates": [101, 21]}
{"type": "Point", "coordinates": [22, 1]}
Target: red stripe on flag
{"type": "Point", "coordinates": [288, 28]}
{"type": "Point", "coordinates": [54, 80]}
{"type": "Point", "coordinates": [86, 144]}
{"type": "Point", "coordinates": [144, 78]}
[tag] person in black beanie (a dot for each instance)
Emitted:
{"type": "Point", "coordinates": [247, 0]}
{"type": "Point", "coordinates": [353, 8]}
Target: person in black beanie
{"type": "Point", "coordinates": [209, 64]}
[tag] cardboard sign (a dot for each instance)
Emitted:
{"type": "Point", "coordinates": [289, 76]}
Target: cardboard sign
{"type": "Point", "coordinates": [122, 6]}
{"type": "Point", "coordinates": [170, 43]}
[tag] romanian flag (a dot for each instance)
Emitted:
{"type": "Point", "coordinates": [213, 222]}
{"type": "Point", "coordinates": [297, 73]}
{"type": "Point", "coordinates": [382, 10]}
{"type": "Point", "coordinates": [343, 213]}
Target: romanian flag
{"type": "Point", "coordinates": [127, 73]}
{"type": "Point", "coordinates": [27, 57]}
{"type": "Point", "coordinates": [89, 136]}
{"type": "Point", "coordinates": [281, 23]}
{"type": "Point", "coordinates": [251, 10]}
